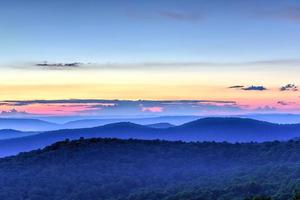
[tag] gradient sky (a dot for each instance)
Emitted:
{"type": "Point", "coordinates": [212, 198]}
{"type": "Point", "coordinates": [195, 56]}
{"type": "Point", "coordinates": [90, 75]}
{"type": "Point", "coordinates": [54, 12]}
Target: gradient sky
{"type": "Point", "coordinates": [151, 50]}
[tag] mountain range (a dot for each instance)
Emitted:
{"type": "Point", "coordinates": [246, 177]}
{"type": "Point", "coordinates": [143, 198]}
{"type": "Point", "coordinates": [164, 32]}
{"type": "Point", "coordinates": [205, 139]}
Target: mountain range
{"type": "Point", "coordinates": [206, 129]}
{"type": "Point", "coordinates": [56, 123]}
{"type": "Point", "coordinates": [23, 124]}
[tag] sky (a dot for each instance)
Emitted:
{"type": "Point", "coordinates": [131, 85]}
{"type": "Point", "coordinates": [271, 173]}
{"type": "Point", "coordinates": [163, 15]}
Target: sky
{"type": "Point", "coordinates": [223, 57]}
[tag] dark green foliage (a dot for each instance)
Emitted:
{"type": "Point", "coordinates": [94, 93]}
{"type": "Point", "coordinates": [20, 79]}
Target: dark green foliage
{"type": "Point", "coordinates": [296, 196]}
{"type": "Point", "coordinates": [259, 198]}
{"type": "Point", "coordinates": [116, 169]}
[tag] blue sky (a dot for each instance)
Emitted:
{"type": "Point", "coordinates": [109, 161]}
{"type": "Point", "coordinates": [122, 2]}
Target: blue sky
{"type": "Point", "coordinates": [149, 31]}
{"type": "Point", "coordinates": [151, 50]}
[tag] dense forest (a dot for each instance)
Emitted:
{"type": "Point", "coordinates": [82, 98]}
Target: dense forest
{"type": "Point", "coordinates": [115, 169]}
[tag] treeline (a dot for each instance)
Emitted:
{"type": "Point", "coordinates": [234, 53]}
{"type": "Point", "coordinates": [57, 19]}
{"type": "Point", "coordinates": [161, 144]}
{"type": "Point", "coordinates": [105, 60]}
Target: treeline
{"type": "Point", "coordinates": [116, 169]}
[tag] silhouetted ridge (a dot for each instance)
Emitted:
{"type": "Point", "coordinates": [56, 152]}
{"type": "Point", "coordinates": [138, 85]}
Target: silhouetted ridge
{"type": "Point", "coordinates": [227, 121]}
{"type": "Point", "coordinates": [23, 124]}
{"type": "Point", "coordinates": [123, 125]}
{"type": "Point", "coordinates": [10, 131]}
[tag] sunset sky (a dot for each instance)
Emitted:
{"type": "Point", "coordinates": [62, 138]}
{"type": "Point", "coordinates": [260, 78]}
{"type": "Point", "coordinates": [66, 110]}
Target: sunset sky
{"type": "Point", "coordinates": [224, 58]}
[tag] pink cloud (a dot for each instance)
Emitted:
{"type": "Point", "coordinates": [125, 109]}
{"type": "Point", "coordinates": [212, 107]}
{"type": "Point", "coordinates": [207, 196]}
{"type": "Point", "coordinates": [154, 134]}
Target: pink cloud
{"type": "Point", "coordinates": [154, 109]}
{"type": "Point", "coordinates": [56, 108]}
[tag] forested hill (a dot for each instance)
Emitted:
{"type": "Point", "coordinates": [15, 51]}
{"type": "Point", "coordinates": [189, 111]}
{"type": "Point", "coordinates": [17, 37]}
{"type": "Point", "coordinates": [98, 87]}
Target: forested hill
{"type": "Point", "coordinates": [150, 170]}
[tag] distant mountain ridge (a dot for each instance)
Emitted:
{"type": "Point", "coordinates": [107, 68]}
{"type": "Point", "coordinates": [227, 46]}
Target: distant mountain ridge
{"type": "Point", "coordinates": [176, 120]}
{"type": "Point", "coordinates": [160, 125]}
{"type": "Point", "coordinates": [207, 129]}
{"type": "Point", "coordinates": [10, 133]}
{"type": "Point", "coordinates": [28, 124]}
{"type": "Point", "coordinates": [23, 124]}
{"type": "Point", "coordinates": [42, 124]}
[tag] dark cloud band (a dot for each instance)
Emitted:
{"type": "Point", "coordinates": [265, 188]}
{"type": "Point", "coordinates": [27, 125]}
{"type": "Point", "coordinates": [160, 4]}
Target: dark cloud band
{"type": "Point", "coordinates": [254, 88]}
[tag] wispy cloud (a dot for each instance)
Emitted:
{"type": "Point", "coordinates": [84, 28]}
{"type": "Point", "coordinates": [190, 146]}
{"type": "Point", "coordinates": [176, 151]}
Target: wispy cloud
{"type": "Point", "coordinates": [153, 65]}
{"type": "Point", "coordinates": [106, 108]}
{"type": "Point", "coordinates": [236, 87]}
{"type": "Point", "coordinates": [58, 66]}
{"type": "Point", "coordinates": [46, 64]}
{"type": "Point", "coordinates": [119, 107]}
{"type": "Point", "coordinates": [180, 16]}
{"type": "Point", "coordinates": [290, 13]}
{"type": "Point", "coordinates": [255, 88]}
{"type": "Point", "coordinates": [107, 102]}
{"type": "Point", "coordinates": [285, 103]}
{"type": "Point", "coordinates": [153, 109]}
{"type": "Point", "coordinates": [13, 112]}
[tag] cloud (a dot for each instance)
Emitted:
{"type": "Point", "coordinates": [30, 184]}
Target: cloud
{"type": "Point", "coordinates": [284, 10]}
{"type": "Point", "coordinates": [236, 87]}
{"type": "Point", "coordinates": [107, 102]}
{"type": "Point", "coordinates": [154, 65]}
{"type": "Point", "coordinates": [256, 88]}
{"type": "Point", "coordinates": [194, 102]}
{"type": "Point", "coordinates": [108, 108]}
{"type": "Point", "coordinates": [218, 103]}
{"type": "Point", "coordinates": [289, 13]}
{"type": "Point", "coordinates": [194, 65]}
{"type": "Point", "coordinates": [58, 66]}
{"type": "Point", "coordinates": [57, 107]}
{"type": "Point", "coordinates": [180, 16]}
{"type": "Point", "coordinates": [274, 62]}
{"type": "Point", "coordinates": [285, 103]}
{"type": "Point", "coordinates": [289, 87]}
{"type": "Point", "coordinates": [183, 14]}
{"type": "Point", "coordinates": [102, 102]}
{"type": "Point", "coordinates": [120, 107]}
{"type": "Point", "coordinates": [13, 113]}
{"type": "Point", "coordinates": [153, 109]}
